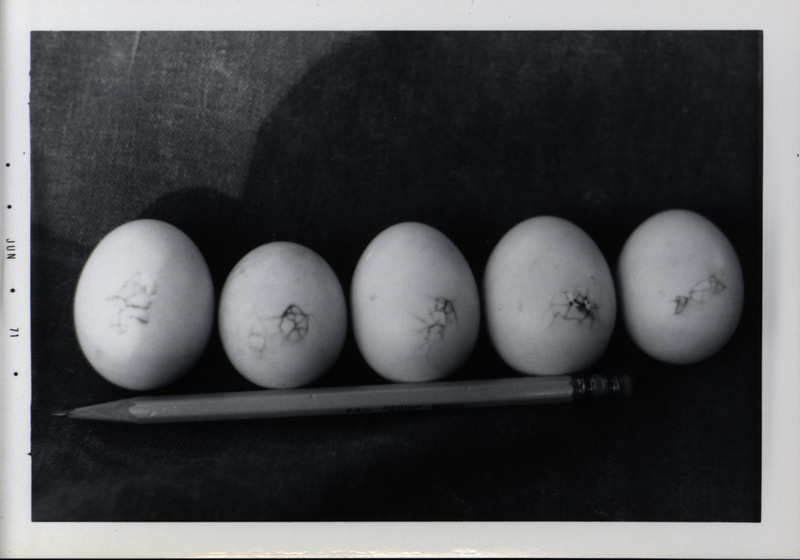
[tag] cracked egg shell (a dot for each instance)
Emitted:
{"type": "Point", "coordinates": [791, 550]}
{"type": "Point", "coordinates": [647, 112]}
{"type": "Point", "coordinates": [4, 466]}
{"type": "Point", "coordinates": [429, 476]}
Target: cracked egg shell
{"type": "Point", "coordinates": [144, 305]}
{"type": "Point", "coordinates": [549, 298]}
{"type": "Point", "coordinates": [282, 316]}
{"type": "Point", "coordinates": [414, 303]}
{"type": "Point", "coordinates": [681, 287]}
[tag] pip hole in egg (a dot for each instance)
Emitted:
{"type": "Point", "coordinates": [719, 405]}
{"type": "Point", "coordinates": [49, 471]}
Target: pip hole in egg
{"type": "Point", "coordinates": [467, 206]}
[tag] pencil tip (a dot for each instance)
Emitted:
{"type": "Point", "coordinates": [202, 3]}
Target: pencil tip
{"type": "Point", "coordinates": [60, 413]}
{"type": "Point", "coordinates": [118, 411]}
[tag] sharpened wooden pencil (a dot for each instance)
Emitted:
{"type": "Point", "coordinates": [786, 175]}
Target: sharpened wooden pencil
{"type": "Point", "coordinates": [398, 397]}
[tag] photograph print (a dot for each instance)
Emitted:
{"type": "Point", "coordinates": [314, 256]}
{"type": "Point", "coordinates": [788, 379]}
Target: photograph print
{"type": "Point", "coordinates": [463, 207]}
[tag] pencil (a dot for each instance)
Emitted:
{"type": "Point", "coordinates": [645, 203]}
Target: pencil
{"type": "Point", "coordinates": [398, 397]}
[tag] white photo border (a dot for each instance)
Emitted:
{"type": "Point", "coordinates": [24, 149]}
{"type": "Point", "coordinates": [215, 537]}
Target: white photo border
{"type": "Point", "coordinates": [778, 533]}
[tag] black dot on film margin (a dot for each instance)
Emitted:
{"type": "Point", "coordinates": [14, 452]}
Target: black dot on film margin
{"type": "Point", "coordinates": [16, 374]}
{"type": "Point", "coordinates": [8, 164]}
{"type": "Point", "coordinates": [13, 290]}
{"type": "Point", "coordinates": [9, 207]}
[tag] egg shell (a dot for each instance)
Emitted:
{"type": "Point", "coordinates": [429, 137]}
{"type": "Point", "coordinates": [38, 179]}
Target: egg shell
{"type": "Point", "coordinates": [282, 316]}
{"type": "Point", "coordinates": [415, 304]}
{"type": "Point", "coordinates": [144, 305]}
{"type": "Point", "coordinates": [681, 287]}
{"type": "Point", "coordinates": [549, 298]}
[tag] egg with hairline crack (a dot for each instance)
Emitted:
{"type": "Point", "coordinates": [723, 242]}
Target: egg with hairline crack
{"type": "Point", "coordinates": [681, 287]}
{"type": "Point", "coordinates": [549, 298]}
{"type": "Point", "coordinates": [282, 316]}
{"type": "Point", "coordinates": [144, 305]}
{"type": "Point", "coordinates": [415, 304]}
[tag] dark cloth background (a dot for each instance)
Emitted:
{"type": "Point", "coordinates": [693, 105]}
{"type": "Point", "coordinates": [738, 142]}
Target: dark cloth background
{"type": "Point", "coordinates": [327, 138]}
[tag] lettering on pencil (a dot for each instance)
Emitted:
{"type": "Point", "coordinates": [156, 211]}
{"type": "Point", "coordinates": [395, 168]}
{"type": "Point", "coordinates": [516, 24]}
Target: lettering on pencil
{"type": "Point", "coordinates": [701, 292]}
{"type": "Point", "coordinates": [574, 305]}
{"type": "Point", "coordinates": [131, 305]}
{"type": "Point", "coordinates": [357, 410]}
{"type": "Point", "coordinates": [401, 407]}
{"type": "Point", "coordinates": [441, 314]}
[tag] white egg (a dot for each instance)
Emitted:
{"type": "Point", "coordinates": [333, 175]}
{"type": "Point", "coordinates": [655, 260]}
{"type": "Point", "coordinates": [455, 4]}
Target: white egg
{"type": "Point", "coordinates": [681, 287]}
{"type": "Point", "coordinates": [549, 298]}
{"type": "Point", "coordinates": [282, 316]}
{"type": "Point", "coordinates": [415, 304]}
{"type": "Point", "coordinates": [144, 305]}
